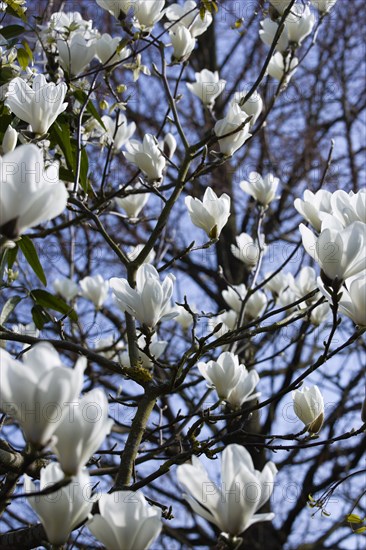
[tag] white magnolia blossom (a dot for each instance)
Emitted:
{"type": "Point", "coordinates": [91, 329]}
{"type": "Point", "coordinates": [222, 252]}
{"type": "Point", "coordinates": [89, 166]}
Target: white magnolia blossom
{"type": "Point", "coordinates": [314, 206]}
{"type": "Point", "coordinates": [107, 51]}
{"type": "Point", "coordinates": [66, 508]}
{"type": "Point", "coordinates": [66, 288]}
{"type": "Point", "coordinates": [82, 431]}
{"type": "Point", "coordinates": [222, 374]}
{"type": "Point", "coordinates": [251, 107]}
{"type": "Point", "coordinates": [280, 5]}
{"type": "Point", "coordinates": [30, 193]}
{"type": "Point", "coordinates": [320, 314]}
{"type": "Point", "coordinates": [305, 282]}
{"type": "Point", "coordinates": [184, 317]}
{"type": "Point", "coordinates": [155, 349]}
{"type": "Point", "coordinates": [75, 53]}
{"type": "Point", "coordinates": [149, 301]}
{"type": "Point", "coordinates": [353, 300]}
{"type": "Point", "coordinates": [147, 157]}
{"type": "Point", "coordinates": [255, 305]}
{"type": "Point", "coordinates": [134, 251]}
{"type": "Point", "coordinates": [208, 86]}
{"type": "Point", "coordinates": [35, 390]}
{"type": "Point", "coordinates": [169, 145]}
{"type": "Point", "coordinates": [182, 41]}
{"type": "Point", "coordinates": [262, 189]}
{"type": "Point", "coordinates": [210, 214]}
{"type": "Point", "coordinates": [29, 329]}
{"type": "Point", "coordinates": [324, 6]}
{"type": "Point", "coordinates": [299, 23]}
{"type": "Point", "coordinates": [233, 128]}
{"type": "Point", "coordinates": [277, 283]}
{"type": "Point", "coordinates": [309, 407]}
{"type": "Point", "coordinates": [118, 131]}
{"type": "Point", "coordinates": [126, 521]}
{"type": "Point", "coordinates": [233, 507]}
{"type": "Point", "coordinates": [95, 289]}
{"type": "Point", "coordinates": [9, 140]}
{"type": "Point", "coordinates": [189, 16]}
{"type": "Point", "coordinates": [133, 203]}
{"type": "Point", "coordinates": [246, 250]}
{"type": "Point", "coordinates": [348, 207]}
{"type": "Point", "coordinates": [268, 32]}
{"type": "Point", "coordinates": [38, 105]}
{"type": "Point", "coordinates": [340, 252]}
{"type": "Point", "coordinates": [116, 7]}
{"type": "Point", "coordinates": [147, 13]}
{"type": "Point", "coordinates": [286, 298]}
{"type": "Point", "coordinates": [282, 67]}
{"type": "Point", "coordinates": [244, 390]}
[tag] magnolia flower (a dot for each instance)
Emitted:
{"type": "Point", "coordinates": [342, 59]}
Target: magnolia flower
{"type": "Point", "coordinates": [39, 105]}
{"type": "Point", "coordinates": [309, 407]}
{"type": "Point", "coordinates": [211, 214]}
{"type": "Point", "coordinates": [147, 13]}
{"type": "Point", "coordinates": [9, 140]}
{"type": "Point", "coordinates": [233, 506]}
{"type": "Point", "coordinates": [35, 390]}
{"type": "Point", "coordinates": [262, 189]}
{"type": "Point", "coordinates": [117, 7]}
{"type": "Point", "coordinates": [324, 6]}
{"type": "Point", "coordinates": [134, 251]}
{"type": "Point", "coordinates": [133, 203]}
{"type": "Point", "coordinates": [268, 32]}
{"type": "Point", "coordinates": [30, 193]}
{"type": "Point", "coordinates": [244, 388]}
{"type": "Point", "coordinates": [118, 131]}
{"type": "Point", "coordinates": [189, 16]}
{"type": "Point", "coordinates": [305, 282]}
{"type": "Point", "coordinates": [126, 521]}
{"type": "Point", "coordinates": [280, 5]}
{"type": "Point", "coordinates": [66, 508]}
{"type": "Point", "coordinates": [95, 289]}
{"type": "Point", "coordinates": [320, 314]}
{"type": "Point", "coordinates": [348, 207]}
{"type": "Point", "coordinates": [223, 374]}
{"type": "Point", "coordinates": [282, 67]}
{"type": "Point", "coordinates": [149, 301]}
{"type": "Point", "coordinates": [299, 23]}
{"type": "Point", "coordinates": [339, 252]}
{"type": "Point", "coordinates": [353, 300]}
{"type": "Point", "coordinates": [184, 317]}
{"type": "Point", "coordinates": [182, 42]}
{"type": "Point", "coordinates": [155, 349]}
{"type": "Point", "coordinates": [75, 54]}
{"type": "Point", "coordinates": [66, 23]}
{"type": "Point", "coordinates": [277, 283]}
{"type": "Point", "coordinates": [246, 250]}
{"type": "Point", "coordinates": [168, 145]}
{"type": "Point", "coordinates": [147, 157]}
{"type": "Point", "coordinates": [82, 431]}
{"type": "Point", "coordinates": [232, 124]}
{"type": "Point", "coordinates": [255, 305]}
{"type": "Point", "coordinates": [314, 206]}
{"type": "Point", "coordinates": [29, 329]}
{"type": "Point", "coordinates": [107, 49]}
{"type": "Point", "coordinates": [208, 86]}
{"type": "Point", "coordinates": [251, 107]}
{"type": "Point", "coordinates": [66, 288]}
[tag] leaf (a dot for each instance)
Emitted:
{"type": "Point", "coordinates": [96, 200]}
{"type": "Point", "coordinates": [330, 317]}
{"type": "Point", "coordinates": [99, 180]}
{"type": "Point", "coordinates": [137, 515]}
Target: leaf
{"type": "Point", "coordinates": [12, 256]}
{"type": "Point", "coordinates": [30, 254]}
{"type": "Point", "coordinates": [360, 530]}
{"type": "Point", "coordinates": [23, 58]}
{"type": "Point", "coordinates": [354, 518]}
{"type": "Point", "coordinates": [84, 169]}
{"type": "Point", "coordinates": [8, 308]}
{"type": "Point", "coordinates": [11, 31]}
{"type": "Point", "coordinates": [60, 132]}
{"type": "Point", "coordinates": [14, 8]}
{"type": "Point", "coordinates": [48, 300]}
{"type": "Point", "coordinates": [40, 316]}
{"type": "Point", "coordinates": [90, 107]}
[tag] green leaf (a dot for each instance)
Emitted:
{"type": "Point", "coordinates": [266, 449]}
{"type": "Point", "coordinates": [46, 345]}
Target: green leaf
{"type": "Point", "coordinates": [48, 300]}
{"type": "Point", "coordinates": [8, 308]}
{"type": "Point", "coordinates": [14, 8]}
{"type": "Point", "coordinates": [11, 31]}
{"type": "Point", "coordinates": [40, 316]}
{"type": "Point", "coordinates": [30, 254]}
{"type": "Point", "coordinates": [90, 107]}
{"type": "Point", "coordinates": [60, 132]}
{"type": "Point", "coordinates": [23, 58]}
{"type": "Point", "coordinates": [12, 256]}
